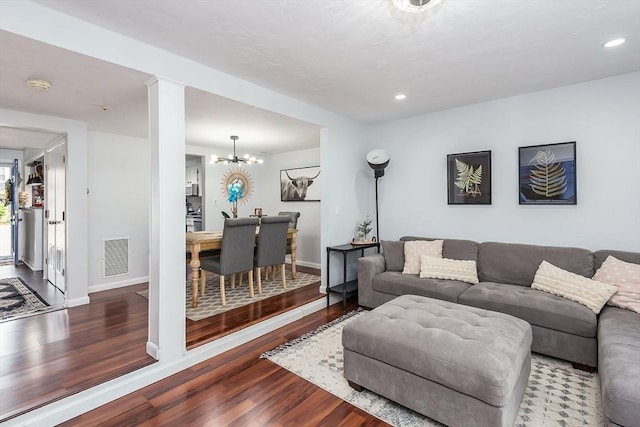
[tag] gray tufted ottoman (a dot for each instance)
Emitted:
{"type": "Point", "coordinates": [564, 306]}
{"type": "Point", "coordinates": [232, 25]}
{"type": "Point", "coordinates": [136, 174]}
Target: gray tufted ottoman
{"type": "Point", "coordinates": [456, 364]}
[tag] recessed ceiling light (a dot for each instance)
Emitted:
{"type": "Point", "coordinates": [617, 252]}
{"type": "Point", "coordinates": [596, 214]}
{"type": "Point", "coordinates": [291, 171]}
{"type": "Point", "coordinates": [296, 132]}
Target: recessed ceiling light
{"type": "Point", "coordinates": [400, 96]}
{"type": "Point", "coordinates": [614, 42]}
{"type": "Point", "coordinates": [38, 84]}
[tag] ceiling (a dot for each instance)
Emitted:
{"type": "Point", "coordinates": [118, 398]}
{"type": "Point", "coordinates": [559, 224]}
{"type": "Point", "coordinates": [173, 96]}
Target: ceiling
{"type": "Point", "coordinates": [347, 56]}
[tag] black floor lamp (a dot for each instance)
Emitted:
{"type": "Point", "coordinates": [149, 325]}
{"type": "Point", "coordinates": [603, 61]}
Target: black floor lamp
{"type": "Point", "coordinates": [378, 159]}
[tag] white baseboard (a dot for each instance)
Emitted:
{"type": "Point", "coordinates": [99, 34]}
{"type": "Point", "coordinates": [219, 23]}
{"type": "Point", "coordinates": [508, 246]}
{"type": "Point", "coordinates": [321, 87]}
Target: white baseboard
{"type": "Point", "coordinates": [152, 350]}
{"type": "Point", "coordinates": [115, 285]}
{"type": "Point", "coordinates": [73, 406]}
{"type": "Point", "coordinates": [304, 263]}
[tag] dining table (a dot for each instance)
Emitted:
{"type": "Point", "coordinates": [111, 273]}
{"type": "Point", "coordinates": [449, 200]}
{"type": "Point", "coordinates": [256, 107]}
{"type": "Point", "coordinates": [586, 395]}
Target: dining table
{"type": "Point", "coordinates": [199, 241]}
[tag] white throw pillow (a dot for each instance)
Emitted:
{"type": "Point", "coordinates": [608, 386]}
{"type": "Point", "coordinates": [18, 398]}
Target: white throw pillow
{"type": "Point", "coordinates": [414, 249]}
{"type": "Point", "coordinates": [445, 268]}
{"type": "Point", "coordinates": [557, 281]}
{"type": "Point", "coordinates": [624, 275]}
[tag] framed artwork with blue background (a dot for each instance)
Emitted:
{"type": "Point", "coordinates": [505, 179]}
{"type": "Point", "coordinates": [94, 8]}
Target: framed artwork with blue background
{"type": "Point", "coordinates": [547, 174]}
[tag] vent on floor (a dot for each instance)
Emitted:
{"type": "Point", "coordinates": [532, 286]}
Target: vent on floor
{"type": "Point", "coordinates": [116, 257]}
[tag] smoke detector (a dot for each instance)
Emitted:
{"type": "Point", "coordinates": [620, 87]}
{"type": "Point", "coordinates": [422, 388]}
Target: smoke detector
{"type": "Point", "coordinates": [415, 6]}
{"type": "Point", "coordinates": [38, 84]}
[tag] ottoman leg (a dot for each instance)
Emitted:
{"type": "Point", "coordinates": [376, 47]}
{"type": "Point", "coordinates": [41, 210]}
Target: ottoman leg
{"type": "Point", "coordinates": [355, 386]}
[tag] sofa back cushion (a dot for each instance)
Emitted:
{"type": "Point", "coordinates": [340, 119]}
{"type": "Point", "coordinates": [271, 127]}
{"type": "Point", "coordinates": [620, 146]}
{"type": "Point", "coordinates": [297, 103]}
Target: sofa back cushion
{"type": "Point", "coordinates": [393, 252]}
{"type": "Point", "coordinates": [517, 264]}
{"type": "Point", "coordinates": [453, 248]}
{"type": "Point", "coordinates": [600, 256]}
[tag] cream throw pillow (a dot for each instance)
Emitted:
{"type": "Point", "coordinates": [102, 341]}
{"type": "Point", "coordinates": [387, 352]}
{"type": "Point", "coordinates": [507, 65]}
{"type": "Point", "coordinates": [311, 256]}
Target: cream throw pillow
{"type": "Point", "coordinates": [414, 249]}
{"type": "Point", "coordinates": [624, 275]}
{"type": "Point", "coordinates": [557, 281]}
{"type": "Point", "coordinates": [445, 268]}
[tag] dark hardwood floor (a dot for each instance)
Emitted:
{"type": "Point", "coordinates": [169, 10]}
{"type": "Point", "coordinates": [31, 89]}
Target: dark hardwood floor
{"type": "Point", "coordinates": [236, 388]}
{"type": "Point", "coordinates": [46, 357]}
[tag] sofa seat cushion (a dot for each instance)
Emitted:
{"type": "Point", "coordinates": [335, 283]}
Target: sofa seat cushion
{"type": "Point", "coordinates": [536, 307]}
{"type": "Point", "coordinates": [619, 365]}
{"type": "Point", "coordinates": [396, 283]}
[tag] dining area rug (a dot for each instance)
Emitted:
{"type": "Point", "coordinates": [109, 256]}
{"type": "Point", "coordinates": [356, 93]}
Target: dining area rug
{"type": "Point", "coordinates": [556, 394]}
{"type": "Point", "coordinates": [210, 304]}
{"type": "Point", "coordinates": [18, 300]}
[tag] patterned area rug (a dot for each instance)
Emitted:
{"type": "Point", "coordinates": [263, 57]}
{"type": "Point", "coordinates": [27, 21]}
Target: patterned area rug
{"type": "Point", "coordinates": [211, 304]}
{"type": "Point", "coordinates": [18, 300]}
{"type": "Point", "coordinates": [556, 395]}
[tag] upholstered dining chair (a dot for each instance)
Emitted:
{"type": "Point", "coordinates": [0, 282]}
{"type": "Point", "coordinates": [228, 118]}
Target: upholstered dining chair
{"type": "Point", "coordinates": [236, 252]}
{"type": "Point", "coordinates": [293, 224]}
{"type": "Point", "coordinates": [272, 246]}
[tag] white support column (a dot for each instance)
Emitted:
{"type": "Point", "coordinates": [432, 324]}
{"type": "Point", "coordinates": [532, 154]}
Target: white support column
{"type": "Point", "coordinates": [167, 247]}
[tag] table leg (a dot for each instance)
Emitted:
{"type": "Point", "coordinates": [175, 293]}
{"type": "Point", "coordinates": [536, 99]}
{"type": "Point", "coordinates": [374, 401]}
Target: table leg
{"type": "Point", "coordinates": [293, 258]}
{"type": "Point", "coordinates": [328, 275]}
{"type": "Point", "coordinates": [195, 274]}
{"type": "Point", "coordinates": [344, 281]}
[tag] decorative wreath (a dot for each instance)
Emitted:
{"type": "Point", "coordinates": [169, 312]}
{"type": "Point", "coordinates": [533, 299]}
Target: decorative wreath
{"type": "Point", "coordinates": [237, 185]}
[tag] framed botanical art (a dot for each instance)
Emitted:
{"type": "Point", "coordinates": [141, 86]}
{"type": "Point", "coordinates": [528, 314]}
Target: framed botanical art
{"type": "Point", "coordinates": [547, 174]}
{"type": "Point", "coordinates": [300, 184]}
{"type": "Point", "coordinates": [469, 178]}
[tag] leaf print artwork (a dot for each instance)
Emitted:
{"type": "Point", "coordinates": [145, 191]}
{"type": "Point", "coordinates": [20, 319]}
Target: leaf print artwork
{"type": "Point", "coordinates": [468, 179]}
{"type": "Point", "coordinates": [547, 177]}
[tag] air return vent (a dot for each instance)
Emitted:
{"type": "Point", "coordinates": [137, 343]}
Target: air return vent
{"type": "Point", "coordinates": [115, 257]}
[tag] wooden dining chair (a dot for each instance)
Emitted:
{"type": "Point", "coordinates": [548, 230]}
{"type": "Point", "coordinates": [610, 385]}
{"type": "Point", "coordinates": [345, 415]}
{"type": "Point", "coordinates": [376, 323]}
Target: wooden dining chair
{"type": "Point", "coordinates": [272, 246]}
{"type": "Point", "coordinates": [236, 252]}
{"type": "Point", "coordinates": [293, 224]}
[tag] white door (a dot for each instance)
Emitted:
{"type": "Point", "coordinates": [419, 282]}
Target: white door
{"type": "Point", "coordinates": [55, 194]}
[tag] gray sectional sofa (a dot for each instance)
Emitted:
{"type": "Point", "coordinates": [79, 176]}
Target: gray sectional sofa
{"type": "Point", "coordinates": [561, 328]}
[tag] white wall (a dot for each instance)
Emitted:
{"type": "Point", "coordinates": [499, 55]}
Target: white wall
{"type": "Point", "coordinates": [308, 241]}
{"type": "Point", "coordinates": [602, 116]}
{"type": "Point", "coordinates": [118, 204]}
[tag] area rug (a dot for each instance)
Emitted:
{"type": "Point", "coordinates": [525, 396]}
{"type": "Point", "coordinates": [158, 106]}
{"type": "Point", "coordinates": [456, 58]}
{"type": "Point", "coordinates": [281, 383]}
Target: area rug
{"type": "Point", "coordinates": [556, 395]}
{"type": "Point", "coordinates": [18, 300]}
{"type": "Point", "coordinates": [6, 261]}
{"type": "Point", "coordinates": [210, 304]}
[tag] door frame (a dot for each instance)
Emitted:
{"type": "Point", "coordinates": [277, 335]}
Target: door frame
{"type": "Point", "coordinates": [60, 142]}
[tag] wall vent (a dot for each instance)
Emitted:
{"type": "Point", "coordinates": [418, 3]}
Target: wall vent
{"type": "Point", "coordinates": [115, 257]}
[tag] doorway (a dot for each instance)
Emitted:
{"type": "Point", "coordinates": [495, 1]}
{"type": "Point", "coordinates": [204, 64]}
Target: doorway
{"type": "Point", "coordinates": [6, 257]}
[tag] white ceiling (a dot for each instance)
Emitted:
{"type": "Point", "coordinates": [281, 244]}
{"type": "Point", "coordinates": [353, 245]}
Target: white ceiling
{"type": "Point", "coordinates": [348, 56]}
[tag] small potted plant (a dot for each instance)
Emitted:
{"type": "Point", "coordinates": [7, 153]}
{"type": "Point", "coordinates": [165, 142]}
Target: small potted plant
{"type": "Point", "coordinates": [363, 229]}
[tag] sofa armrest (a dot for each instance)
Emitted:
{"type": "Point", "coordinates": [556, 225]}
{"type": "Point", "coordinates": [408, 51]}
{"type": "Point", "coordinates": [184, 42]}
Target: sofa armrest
{"type": "Point", "coordinates": [368, 267]}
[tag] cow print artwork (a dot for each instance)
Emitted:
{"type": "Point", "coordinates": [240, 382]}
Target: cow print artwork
{"type": "Point", "coordinates": [300, 184]}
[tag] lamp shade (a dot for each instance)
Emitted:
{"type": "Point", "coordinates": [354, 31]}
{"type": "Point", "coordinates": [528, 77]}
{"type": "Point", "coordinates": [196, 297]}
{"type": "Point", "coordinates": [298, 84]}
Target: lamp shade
{"type": "Point", "coordinates": [378, 160]}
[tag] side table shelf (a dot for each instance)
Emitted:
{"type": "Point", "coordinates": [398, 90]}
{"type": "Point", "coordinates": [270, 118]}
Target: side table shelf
{"type": "Point", "coordinates": [346, 288]}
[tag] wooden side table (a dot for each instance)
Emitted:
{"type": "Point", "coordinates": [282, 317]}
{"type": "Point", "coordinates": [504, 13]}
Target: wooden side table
{"type": "Point", "coordinates": [345, 288]}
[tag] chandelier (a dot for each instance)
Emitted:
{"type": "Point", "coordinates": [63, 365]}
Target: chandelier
{"type": "Point", "coordinates": [415, 6]}
{"type": "Point", "coordinates": [233, 158]}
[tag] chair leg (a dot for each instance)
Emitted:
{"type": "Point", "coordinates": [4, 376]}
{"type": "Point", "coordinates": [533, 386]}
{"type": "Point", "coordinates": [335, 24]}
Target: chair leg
{"type": "Point", "coordinates": [224, 299]}
{"type": "Point", "coordinates": [259, 280]}
{"type": "Point", "coordinates": [284, 277]}
{"type": "Point", "coordinates": [203, 281]}
{"type": "Point", "coordinates": [250, 274]}
{"type": "Point", "coordinates": [273, 272]}
{"type": "Point", "coordinates": [233, 281]}
{"type": "Point", "coordinates": [240, 279]}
